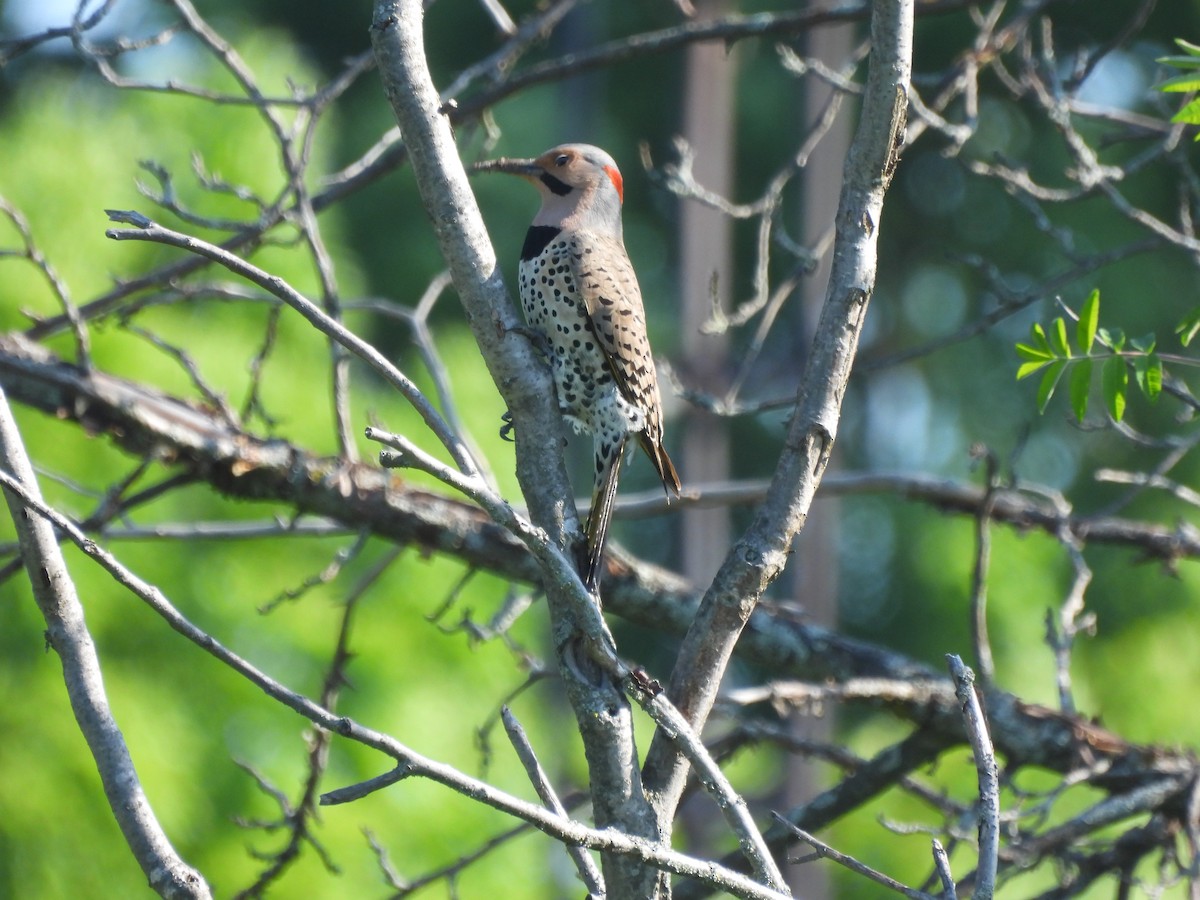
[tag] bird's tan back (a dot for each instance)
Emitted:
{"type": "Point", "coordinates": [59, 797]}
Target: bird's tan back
{"type": "Point", "coordinates": [610, 291]}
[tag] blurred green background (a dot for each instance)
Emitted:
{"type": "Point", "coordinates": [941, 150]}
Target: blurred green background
{"type": "Point", "coordinates": [70, 147]}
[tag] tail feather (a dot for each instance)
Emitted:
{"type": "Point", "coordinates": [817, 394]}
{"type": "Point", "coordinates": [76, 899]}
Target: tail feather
{"type": "Point", "coordinates": [599, 518]}
{"type": "Point", "coordinates": [605, 495]}
{"type": "Point", "coordinates": [663, 465]}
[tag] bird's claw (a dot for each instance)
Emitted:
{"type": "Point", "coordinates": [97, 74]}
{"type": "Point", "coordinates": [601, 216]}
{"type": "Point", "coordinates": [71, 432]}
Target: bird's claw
{"type": "Point", "coordinates": [506, 430]}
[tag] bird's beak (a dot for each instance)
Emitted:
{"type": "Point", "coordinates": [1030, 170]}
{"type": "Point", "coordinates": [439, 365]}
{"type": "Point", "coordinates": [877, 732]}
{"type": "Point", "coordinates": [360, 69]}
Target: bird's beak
{"type": "Point", "coordinates": [526, 168]}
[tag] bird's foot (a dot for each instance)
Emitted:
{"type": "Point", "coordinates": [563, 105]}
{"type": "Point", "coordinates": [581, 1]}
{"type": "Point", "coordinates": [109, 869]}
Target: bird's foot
{"type": "Point", "coordinates": [506, 430]}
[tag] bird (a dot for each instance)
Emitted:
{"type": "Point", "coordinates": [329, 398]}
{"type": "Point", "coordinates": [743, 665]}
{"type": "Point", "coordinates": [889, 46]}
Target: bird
{"type": "Point", "coordinates": [579, 292]}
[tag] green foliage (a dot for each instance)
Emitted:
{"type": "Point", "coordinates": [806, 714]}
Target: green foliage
{"type": "Point", "coordinates": [1185, 84]}
{"type": "Point", "coordinates": [1188, 327]}
{"type": "Point", "coordinates": [1052, 354]}
{"type": "Point", "coordinates": [1114, 380]}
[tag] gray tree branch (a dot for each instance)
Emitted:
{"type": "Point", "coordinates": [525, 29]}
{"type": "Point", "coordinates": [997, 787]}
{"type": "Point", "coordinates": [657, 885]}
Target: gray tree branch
{"type": "Point", "coordinates": [238, 464]}
{"type": "Point", "coordinates": [67, 633]}
{"type": "Point", "coordinates": [408, 762]}
{"type": "Point", "coordinates": [758, 557]}
{"type": "Point", "coordinates": [200, 444]}
{"type": "Point", "coordinates": [146, 230]}
{"type": "Point", "coordinates": [988, 772]}
{"type": "Point", "coordinates": [601, 710]}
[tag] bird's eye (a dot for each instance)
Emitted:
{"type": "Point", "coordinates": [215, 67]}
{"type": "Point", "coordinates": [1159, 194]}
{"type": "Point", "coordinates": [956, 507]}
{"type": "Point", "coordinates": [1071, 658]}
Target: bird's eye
{"type": "Point", "coordinates": [561, 160]}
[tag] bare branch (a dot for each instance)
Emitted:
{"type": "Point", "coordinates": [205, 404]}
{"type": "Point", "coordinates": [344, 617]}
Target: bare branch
{"type": "Point", "coordinates": [11, 49]}
{"type": "Point", "coordinates": [942, 863]}
{"type": "Point", "coordinates": [67, 634]}
{"type": "Point", "coordinates": [672, 724]}
{"type": "Point", "coordinates": [146, 230]}
{"type": "Point", "coordinates": [759, 555]}
{"type": "Point", "coordinates": [824, 850]}
{"type": "Point", "coordinates": [31, 252]}
{"type": "Point", "coordinates": [727, 30]}
{"type": "Point", "coordinates": [602, 714]}
{"type": "Point", "coordinates": [866, 781]}
{"type": "Point", "coordinates": [979, 573]}
{"type": "Point", "coordinates": [541, 783]}
{"type": "Point", "coordinates": [989, 782]}
{"type": "Point", "coordinates": [299, 818]}
{"type": "Point", "coordinates": [409, 762]}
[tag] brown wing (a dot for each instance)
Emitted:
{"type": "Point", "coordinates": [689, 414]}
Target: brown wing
{"type": "Point", "coordinates": [610, 291]}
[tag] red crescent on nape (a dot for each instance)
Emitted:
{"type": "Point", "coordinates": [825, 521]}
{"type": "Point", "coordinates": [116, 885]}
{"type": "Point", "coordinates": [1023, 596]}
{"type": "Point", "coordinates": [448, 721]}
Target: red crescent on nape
{"type": "Point", "coordinates": [615, 177]}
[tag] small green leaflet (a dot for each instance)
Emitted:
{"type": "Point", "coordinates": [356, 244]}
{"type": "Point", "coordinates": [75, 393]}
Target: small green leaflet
{"type": "Point", "coordinates": [1188, 327]}
{"type": "Point", "coordinates": [1058, 338]}
{"type": "Point", "coordinates": [1050, 351]}
{"type": "Point", "coordinates": [1036, 353]}
{"type": "Point", "coordinates": [1114, 379]}
{"type": "Point", "coordinates": [1186, 83]}
{"type": "Point", "coordinates": [1089, 321]}
{"type": "Point", "coordinates": [1149, 374]}
{"type": "Point", "coordinates": [1049, 383]}
{"type": "Point", "coordinates": [1081, 383]}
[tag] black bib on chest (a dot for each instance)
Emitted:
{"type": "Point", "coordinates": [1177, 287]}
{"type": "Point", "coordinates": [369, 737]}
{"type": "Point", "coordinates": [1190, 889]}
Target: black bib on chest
{"type": "Point", "coordinates": [536, 239]}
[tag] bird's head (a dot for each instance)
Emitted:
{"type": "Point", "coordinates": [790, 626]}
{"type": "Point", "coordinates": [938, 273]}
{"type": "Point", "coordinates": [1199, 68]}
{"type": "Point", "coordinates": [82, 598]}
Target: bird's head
{"type": "Point", "coordinates": [580, 185]}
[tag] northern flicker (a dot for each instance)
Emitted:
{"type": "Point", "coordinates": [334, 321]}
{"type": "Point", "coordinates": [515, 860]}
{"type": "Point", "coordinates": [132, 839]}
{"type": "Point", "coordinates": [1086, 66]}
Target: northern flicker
{"type": "Point", "coordinates": [578, 289]}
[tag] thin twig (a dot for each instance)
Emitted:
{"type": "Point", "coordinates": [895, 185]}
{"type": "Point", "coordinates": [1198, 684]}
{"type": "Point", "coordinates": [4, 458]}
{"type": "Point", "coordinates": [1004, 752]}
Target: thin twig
{"type": "Point", "coordinates": [979, 573]}
{"type": "Point", "coordinates": [587, 868]}
{"type": "Point", "coordinates": [83, 351]}
{"type": "Point", "coordinates": [146, 230]}
{"type": "Point", "coordinates": [941, 862]}
{"type": "Point", "coordinates": [824, 850]}
{"type": "Point", "coordinates": [404, 453]}
{"type": "Point", "coordinates": [675, 727]}
{"type": "Point", "coordinates": [989, 781]}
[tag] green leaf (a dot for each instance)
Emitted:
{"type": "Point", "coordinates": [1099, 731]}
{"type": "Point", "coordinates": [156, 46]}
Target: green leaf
{"type": "Point", "coordinates": [1191, 50]}
{"type": "Point", "coordinates": [1114, 381]}
{"type": "Point", "coordinates": [1049, 383]}
{"type": "Point", "coordinates": [1028, 368]}
{"type": "Point", "coordinates": [1114, 340]}
{"type": "Point", "coordinates": [1089, 319]}
{"type": "Point", "coordinates": [1038, 336]}
{"type": "Point", "coordinates": [1188, 327]}
{"type": "Point", "coordinates": [1058, 338]}
{"type": "Point", "coordinates": [1148, 371]}
{"type": "Point", "coordinates": [1189, 114]}
{"type": "Point", "coordinates": [1154, 376]}
{"type": "Point", "coordinates": [1081, 382]}
{"type": "Point", "coordinates": [1145, 343]}
{"type": "Point", "coordinates": [1033, 353]}
{"type": "Point", "coordinates": [1139, 372]}
{"type": "Point", "coordinates": [1181, 84]}
{"type": "Point", "coordinates": [1179, 62]}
